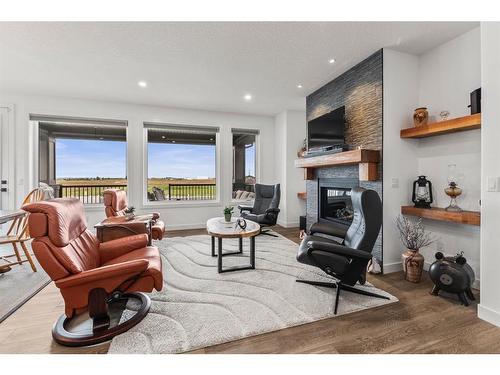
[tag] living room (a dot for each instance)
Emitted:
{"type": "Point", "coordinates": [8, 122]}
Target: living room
{"type": "Point", "coordinates": [201, 187]}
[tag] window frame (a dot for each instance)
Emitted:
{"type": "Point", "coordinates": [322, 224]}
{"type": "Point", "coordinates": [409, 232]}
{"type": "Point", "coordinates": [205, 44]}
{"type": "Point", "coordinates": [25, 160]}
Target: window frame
{"type": "Point", "coordinates": [34, 155]}
{"type": "Point", "coordinates": [257, 134]}
{"type": "Point", "coordinates": [174, 203]}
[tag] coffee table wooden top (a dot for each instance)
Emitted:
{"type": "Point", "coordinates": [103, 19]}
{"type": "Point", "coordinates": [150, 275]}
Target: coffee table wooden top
{"type": "Point", "coordinates": [217, 227]}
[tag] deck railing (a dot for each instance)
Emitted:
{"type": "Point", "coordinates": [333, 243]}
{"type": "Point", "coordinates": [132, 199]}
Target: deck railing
{"type": "Point", "coordinates": [188, 192]}
{"type": "Point", "coordinates": [88, 194]}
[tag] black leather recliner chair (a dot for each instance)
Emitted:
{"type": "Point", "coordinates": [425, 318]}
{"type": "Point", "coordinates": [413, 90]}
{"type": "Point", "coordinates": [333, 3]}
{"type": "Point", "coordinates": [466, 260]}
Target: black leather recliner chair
{"type": "Point", "coordinates": [345, 260]}
{"type": "Point", "coordinates": [265, 209]}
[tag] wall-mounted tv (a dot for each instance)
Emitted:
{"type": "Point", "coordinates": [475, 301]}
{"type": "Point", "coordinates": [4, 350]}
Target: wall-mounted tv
{"type": "Point", "coordinates": [326, 130]}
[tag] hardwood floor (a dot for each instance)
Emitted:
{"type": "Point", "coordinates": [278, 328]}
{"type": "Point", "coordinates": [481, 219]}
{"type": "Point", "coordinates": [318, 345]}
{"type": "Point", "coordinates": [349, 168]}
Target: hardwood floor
{"type": "Point", "coordinates": [418, 323]}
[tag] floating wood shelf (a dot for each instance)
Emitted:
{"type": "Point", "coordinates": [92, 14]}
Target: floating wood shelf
{"type": "Point", "coordinates": [302, 195]}
{"type": "Point", "coordinates": [366, 159]}
{"type": "Point", "coordinates": [435, 213]}
{"type": "Point", "coordinates": [443, 127]}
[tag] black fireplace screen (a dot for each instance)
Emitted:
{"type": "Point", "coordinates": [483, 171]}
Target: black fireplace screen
{"type": "Point", "coordinates": [335, 205]}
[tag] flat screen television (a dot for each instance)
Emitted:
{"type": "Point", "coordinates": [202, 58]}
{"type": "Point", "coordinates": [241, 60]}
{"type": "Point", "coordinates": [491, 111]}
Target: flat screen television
{"type": "Point", "coordinates": [326, 130]}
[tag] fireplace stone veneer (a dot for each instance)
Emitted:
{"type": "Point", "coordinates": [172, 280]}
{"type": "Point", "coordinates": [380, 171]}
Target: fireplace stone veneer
{"type": "Point", "coordinates": [360, 90]}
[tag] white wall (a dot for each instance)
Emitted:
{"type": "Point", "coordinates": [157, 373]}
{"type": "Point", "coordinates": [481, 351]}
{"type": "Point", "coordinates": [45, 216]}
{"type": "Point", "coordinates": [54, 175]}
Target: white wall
{"type": "Point", "coordinates": [279, 162]}
{"type": "Point", "coordinates": [440, 79]}
{"type": "Point", "coordinates": [290, 131]}
{"type": "Point", "coordinates": [185, 216]}
{"type": "Point", "coordinates": [489, 309]}
{"type": "Point", "coordinates": [400, 156]}
{"type": "Point", "coordinates": [447, 75]}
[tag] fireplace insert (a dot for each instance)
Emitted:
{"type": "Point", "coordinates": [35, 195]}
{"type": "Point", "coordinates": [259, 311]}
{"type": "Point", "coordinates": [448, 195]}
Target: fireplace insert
{"type": "Point", "coordinates": [335, 205]}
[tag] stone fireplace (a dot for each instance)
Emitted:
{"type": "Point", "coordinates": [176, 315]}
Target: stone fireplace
{"type": "Point", "coordinates": [360, 90]}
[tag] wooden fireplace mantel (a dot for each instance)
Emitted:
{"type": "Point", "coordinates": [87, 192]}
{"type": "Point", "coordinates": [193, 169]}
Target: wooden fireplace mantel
{"type": "Point", "coordinates": [366, 159]}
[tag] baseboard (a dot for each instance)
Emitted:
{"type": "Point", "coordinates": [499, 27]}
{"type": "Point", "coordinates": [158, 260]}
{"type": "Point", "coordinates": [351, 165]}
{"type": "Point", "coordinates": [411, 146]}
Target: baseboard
{"type": "Point", "coordinates": [185, 226]}
{"type": "Point", "coordinates": [397, 267]}
{"type": "Point", "coordinates": [393, 267]}
{"type": "Point", "coordinates": [288, 224]}
{"type": "Point", "coordinates": [489, 315]}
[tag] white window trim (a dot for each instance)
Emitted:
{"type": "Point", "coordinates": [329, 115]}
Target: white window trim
{"type": "Point", "coordinates": [257, 167]}
{"type": "Point", "coordinates": [33, 154]}
{"type": "Point", "coordinates": [184, 204]}
{"type": "Point", "coordinates": [8, 148]}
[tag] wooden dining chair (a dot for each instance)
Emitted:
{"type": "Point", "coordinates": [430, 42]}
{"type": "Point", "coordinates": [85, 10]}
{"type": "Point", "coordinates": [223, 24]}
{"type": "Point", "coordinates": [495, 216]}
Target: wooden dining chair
{"type": "Point", "coordinates": [18, 234]}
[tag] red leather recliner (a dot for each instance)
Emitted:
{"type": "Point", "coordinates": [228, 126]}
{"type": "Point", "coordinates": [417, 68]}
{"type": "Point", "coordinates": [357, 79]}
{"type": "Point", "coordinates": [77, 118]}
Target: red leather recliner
{"type": "Point", "coordinates": [115, 202]}
{"type": "Point", "coordinates": [89, 274]}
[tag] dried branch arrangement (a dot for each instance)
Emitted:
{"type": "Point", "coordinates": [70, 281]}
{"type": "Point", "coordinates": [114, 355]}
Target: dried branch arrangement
{"type": "Point", "coordinates": [413, 234]}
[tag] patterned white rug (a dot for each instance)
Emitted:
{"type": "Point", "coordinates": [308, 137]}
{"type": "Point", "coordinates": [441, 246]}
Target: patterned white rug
{"type": "Point", "coordinates": [199, 307]}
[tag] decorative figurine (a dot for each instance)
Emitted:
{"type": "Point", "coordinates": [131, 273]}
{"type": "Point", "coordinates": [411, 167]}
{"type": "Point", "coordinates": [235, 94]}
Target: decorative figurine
{"type": "Point", "coordinates": [301, 152]}
{"type": "Point", "coordinates": [242, 223]}
{"type": "Point", "coordinates": [453, 275]}
{"type": "Point", "coordinates": [422, 193]}
{"type": "Point", "coordinates": [444, 115]}
{"type": "Point", "coordinates": [420, 116]}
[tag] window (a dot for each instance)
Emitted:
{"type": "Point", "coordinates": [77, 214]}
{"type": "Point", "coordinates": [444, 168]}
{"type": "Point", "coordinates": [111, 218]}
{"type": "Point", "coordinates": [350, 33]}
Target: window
{"type": "Point", "coordinates": [181, 163]}
{"type": "Point", "coordinates": [81, 159]}
{"type": "Point", "coordinates": [244, 163]}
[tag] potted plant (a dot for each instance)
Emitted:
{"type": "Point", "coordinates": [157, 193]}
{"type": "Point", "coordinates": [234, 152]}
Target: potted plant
{"type": "Point", "coordinates": [130, 212]}
{"type": "Point", "coordinates": [228, 211]}
{"type": "Point", "coordinates": [414, 237]}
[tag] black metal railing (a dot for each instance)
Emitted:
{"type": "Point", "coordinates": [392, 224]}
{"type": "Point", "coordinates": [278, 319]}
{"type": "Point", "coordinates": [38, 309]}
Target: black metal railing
{"type": "Point", "coordinates": [88, 194]}
{"type": "Point", "coordinates": [242, 186]}
{"type": "Point", "coordinates": [188, 192]}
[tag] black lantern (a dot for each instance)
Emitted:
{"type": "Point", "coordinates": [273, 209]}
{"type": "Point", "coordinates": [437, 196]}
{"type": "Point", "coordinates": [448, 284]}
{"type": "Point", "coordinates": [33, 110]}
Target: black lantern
{"type": "Point", "coordinates": [422, 193]}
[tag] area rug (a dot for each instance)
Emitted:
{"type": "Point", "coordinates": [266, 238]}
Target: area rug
{"type": "Point", "coordinates": [199, 307]}
{"type": "Point", "coordinates": [19, 284]}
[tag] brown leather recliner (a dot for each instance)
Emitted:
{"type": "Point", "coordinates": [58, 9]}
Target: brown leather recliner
{"type": "Point", "coordinates": [90, 274]}
{"type": "Point", "coordinates": [115, 202]}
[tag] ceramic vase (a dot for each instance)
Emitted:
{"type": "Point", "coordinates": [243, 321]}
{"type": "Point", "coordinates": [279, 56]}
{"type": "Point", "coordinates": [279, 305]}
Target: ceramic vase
{"type": "Point", "coordinates": [413, 264]}
{"type": "Point", "coordinates": [227, 217]}
{"type": "Point", "coordinates": [420, 116]}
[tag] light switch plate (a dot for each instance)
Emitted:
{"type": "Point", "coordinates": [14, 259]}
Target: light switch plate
{"type": "Point", "coordinates": [395, 182]}
{"type": "Point", "coordinates": [493, 184]}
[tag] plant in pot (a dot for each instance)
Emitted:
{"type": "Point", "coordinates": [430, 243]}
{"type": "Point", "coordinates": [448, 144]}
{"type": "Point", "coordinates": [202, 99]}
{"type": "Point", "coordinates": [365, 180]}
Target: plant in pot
{"type": "Point", "coordinates": [414, 237]}
{"type": "Point", "coordinates": [130, 212]}
{"type": "Point", "coordinates": [228, 211]}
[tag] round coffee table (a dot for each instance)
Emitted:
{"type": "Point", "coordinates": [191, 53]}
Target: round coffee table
{"type": "Point", "coordinates": [218, 227]}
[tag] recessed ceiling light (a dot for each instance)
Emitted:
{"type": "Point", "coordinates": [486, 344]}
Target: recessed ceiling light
{"type": "Point", "coordinates": [163, 137]}
{"type": "Point", "coordinates": [331, 61]}
{"type": "Point", "coordinates": [142, 84]}
{"type": "Point", "coordinates": [101, 138]}
{"type": "Point", "coordinates": [173, 141]}
{"type": "Point", "coordinates": [299, 86]}
{"type": "Point", "coordinates": [247, 97]}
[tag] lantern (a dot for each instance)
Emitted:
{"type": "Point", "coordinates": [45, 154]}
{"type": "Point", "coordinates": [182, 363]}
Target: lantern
{"type": "Point", "coordinates": [422, 193]}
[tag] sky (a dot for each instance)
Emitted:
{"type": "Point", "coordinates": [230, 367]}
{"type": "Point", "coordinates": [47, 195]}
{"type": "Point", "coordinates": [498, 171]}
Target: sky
{"type": "Point", "coordinates": [87, 158]}
{"type": "Point", "coordinates": [250, 155]}
{"type": "Point", "coordinates": [181, 161]}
